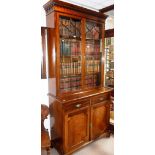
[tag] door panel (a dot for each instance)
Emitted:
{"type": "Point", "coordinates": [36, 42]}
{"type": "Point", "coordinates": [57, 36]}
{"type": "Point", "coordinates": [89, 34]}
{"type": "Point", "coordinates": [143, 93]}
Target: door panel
{"type": "Point", "coordinates": [99, 119]}
{"type": "Point", "coordinates": [76, 128]}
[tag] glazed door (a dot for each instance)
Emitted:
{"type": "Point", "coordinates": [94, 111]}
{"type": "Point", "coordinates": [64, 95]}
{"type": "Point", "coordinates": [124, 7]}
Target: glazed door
{"type": "Point", "coordinates": [70, 59]}
{"type": "Point", "coordinates": [93, 54]}
{"type": "Point", "coordinates": [100, 114]}
{"type": "Point", "coordinates": [76, 128]}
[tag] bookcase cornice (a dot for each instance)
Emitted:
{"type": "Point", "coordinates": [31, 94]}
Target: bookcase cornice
{"type": "Point", "coordinates": [50, 6]}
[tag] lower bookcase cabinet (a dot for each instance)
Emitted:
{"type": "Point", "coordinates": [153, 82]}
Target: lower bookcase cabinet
{"type": "Point", "coordinates": [79, 119]}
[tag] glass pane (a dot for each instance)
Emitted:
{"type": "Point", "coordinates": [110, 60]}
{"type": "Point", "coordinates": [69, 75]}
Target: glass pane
{"type": "Point", "coordinates": [70, 54]}
{"type": "Point", "coordinates": [70, 28]}
{"type": "Point", "coordinates": [93, 54]}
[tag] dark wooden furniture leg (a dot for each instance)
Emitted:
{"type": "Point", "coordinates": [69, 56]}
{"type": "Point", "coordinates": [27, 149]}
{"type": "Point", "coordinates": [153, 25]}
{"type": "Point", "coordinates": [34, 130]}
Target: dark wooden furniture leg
{"type": "Point", "coordinates": [48, 151]}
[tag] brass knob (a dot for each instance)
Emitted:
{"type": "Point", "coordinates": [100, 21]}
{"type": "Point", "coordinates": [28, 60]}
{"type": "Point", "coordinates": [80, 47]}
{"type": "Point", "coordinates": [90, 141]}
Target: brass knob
{"type": "Point", "coordinates": [78, 105]}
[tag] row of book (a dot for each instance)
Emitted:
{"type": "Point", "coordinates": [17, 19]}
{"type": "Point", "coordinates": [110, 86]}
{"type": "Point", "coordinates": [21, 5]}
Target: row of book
{"type": "Point", "coordinates": [69, 47]}
{"type": "Point", "coordinates": [92, 48]}
{"type": "Point", "coordinates": [74, 83]}
{"type": "Point", "coordinates": [110, 74]}
{"type": "Point", "coordinates": [92, 66]}
{"type": "Point", "coordinates": [110, 82]}
{"type": "Point", "coordinates": [111, 48]}
{"type": "Point", "coordinates": [110, 65]}
{"type": "Point", "coordinates": [94, 57]}
{"type": "Point", "coordinates": [110, 57]}
{"type": "Point", "coordinates": [91, 80]}
{"type": "Point", "coordinates": [109, 41]}
{"type": "Point", "coordinates": [71, 83]}
{"type": "Point", "coordinates": [70, 27]}
{"type": "Point", "coordinates": [70, 68]}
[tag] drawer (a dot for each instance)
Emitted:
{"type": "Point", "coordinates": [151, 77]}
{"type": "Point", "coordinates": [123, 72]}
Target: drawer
{"type": "Point", "coordinates": [100, 98]}
{"type": "Point", "coordinates": [76, 105]}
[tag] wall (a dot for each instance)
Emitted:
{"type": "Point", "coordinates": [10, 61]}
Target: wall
{"type": "Point", "coordinates": [43, 15]}
{"type": "Point", "coordinates": [109, 23]}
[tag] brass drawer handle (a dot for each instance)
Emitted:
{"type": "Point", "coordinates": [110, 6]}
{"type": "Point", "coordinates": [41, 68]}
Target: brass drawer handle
{"type": "Point", "coordinates": [78, 105]}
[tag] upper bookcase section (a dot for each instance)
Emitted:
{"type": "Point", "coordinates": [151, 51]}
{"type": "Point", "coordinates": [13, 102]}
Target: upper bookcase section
{"type": "Point", "coordinates": [59, 6]}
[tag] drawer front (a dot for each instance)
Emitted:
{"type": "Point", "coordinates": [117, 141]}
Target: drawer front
{"type": "Point", "coordinates": [76, 105]}
{"type": "Point", "coordinates": [100, 98]}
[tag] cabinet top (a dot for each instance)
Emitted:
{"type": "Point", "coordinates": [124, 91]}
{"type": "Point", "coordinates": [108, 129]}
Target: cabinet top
{"type": "Point", "coordinates": [82, 94]}
{"type": "Point", "coordinates": [50, 6]}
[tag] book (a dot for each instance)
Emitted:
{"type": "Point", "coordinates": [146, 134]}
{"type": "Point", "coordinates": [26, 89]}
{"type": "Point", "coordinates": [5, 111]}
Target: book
{"type": "Point", "coordinates": [71, 83]}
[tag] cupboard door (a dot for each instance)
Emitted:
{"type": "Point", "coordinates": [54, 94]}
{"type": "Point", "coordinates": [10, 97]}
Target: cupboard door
{"type": "Point", "coordinates": [76, 128]}
{"type": "Point", "coordinates": [70, 54]}
{"type": "Point", "coordinates": [100, 114]}
{"type": "Point", "coordinates": [93, 54]}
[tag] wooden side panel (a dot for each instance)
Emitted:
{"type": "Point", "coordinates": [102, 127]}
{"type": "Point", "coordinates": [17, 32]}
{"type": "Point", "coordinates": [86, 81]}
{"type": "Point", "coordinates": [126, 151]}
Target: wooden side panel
{"type": "Point", "coordinates": [50, 21]}
{"type": "Point", "coordinates": [99, 119]}
{"type": "Point", "coordinates": [56, 111]}
{"type": "Point", "coordinates": [44, 52]}
{"type": "Point", "coordinates": [76, 128]}
{"type": "Point", "coordinates": [51, 52]}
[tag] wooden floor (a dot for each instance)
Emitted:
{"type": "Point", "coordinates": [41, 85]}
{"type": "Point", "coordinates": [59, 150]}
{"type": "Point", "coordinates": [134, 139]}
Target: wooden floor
{"type": "Point", "coordinates": [104, 146]}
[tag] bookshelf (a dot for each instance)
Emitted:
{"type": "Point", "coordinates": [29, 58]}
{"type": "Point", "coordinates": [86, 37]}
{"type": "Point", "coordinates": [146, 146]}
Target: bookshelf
{"type": "Point", "coordinates": [109, 67]}
{"type": "Point", "coordinates": [81, 51]}
{"type": "Point", "coordinates": [78, 100]}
